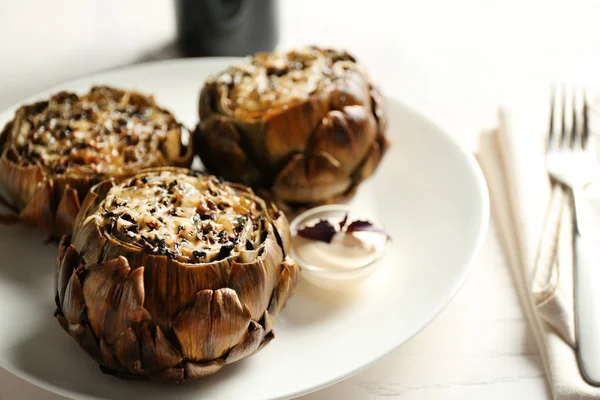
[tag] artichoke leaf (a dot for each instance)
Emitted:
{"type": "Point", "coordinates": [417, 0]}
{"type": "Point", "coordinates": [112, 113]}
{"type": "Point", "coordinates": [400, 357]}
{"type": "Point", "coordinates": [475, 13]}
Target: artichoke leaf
{"type": "Point", "coordinates": [346, 135]}
{"type": "Point", "coordinates": [253, 282]}
{"type": "Point", "coordinates": [371, 161]}
{"type": "Point", "coordinates": [92, 242]}
{"type": "Point", "coordinates": [38, 211]}
{"type": "Point", "coordinates": [62, 321]}
{"type": "Point", "coordinates": [67, 210]}
{"type": "Point", "coordinates": [194, 322]}
{"type": "Point", "coordinates": [282, 230]}
{"type": "Point", "coordinates": [19, 181]}
{"type": "Point", "coordinates": [65, 267]}
{"type": "Point", "coordinates": [108, 357]}
{"type": "Point", "coordinates": [268, 337]}
{"type": "Point", "coordinates": [221, 151]}
{"type": "Point", "coordinates": [248, 345]}
{"type": "Point", "coordinates": [249, 281]}
{"type": "Point", "coordinates": [267, 321]}
{"type": "Point", "coordinates": [171, 375]}
{"type": "Point", "coordinates": [199, 370]}
{"type": "Point", "coordinates": [353, 89]}
{"type": "Point", "coordinates": [219, 317]}
{"type": "Point", "coordinates": [311, 178]}
{"type": "Point", "coordinates": [378, 107]}
{"type": "Point", "coordinates": [157, 352]}
{"type": "Point", "coordinates": [285, 288]}
{"type": "Point", "coordinates": [126, 350]}
{"type": "Point", "coordinates": [114, 298]}
{"type": "Point", "coordinates": [171, 285]}
{"type": "Point", "coordinates": [88, 342]}
{"type": "Point", "coordinates": [288, 131]}
{"type": "Point", "coordinates": [73, 305]}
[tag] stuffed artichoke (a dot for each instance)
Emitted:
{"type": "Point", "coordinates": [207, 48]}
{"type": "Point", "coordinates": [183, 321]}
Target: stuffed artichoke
{"type": "Point", "coordinates": [54, 151]}
{"type": "Point", "coordinates": [170, 275]}
{"type": "Point", "coordinates": [307, 126]}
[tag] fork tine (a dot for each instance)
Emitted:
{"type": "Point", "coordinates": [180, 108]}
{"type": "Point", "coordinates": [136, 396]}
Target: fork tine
{"type": "Point", "coordinates": [566, 127]}
{"type": "Point", "coordinates": [576, 125]}
{"type": "Point", "coordinates": [585, 135]}
{"type": "Point", "coordinates": [580, 138]}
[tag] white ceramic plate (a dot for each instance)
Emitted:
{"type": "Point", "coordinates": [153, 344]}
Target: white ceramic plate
{"type": "Point", "coordinates": [429, 193]}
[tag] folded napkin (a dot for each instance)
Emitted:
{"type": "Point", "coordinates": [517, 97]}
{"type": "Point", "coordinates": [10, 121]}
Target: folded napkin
{"type": "Point", "coordinates": [533, 220]}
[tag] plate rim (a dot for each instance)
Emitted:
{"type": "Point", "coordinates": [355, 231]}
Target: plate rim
{"type": "Point", "coordinates": [471, 162]}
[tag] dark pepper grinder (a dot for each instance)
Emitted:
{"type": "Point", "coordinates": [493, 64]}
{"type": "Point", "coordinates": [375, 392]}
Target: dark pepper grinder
{"type": "Point", "coordinates": [226, 27]}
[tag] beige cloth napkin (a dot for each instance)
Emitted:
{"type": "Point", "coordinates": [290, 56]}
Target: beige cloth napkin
{"type": "Point", "coordinates": [533, 220]}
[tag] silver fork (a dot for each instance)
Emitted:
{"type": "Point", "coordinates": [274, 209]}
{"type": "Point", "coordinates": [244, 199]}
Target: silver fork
{"type": "Point", "coordinates": [571, 161]}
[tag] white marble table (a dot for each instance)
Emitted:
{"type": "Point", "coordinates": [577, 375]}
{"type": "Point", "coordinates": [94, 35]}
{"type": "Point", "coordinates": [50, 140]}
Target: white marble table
{"type": "Point", "coordinates": [453, 61]}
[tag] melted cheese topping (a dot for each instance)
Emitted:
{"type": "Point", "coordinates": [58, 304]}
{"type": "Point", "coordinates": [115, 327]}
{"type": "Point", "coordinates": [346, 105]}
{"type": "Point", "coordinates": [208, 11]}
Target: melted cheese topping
{"type": "Point", "coordinates": [278, 80]}
{"type": "Point", "coordinates": [188, 218]}
{"type": "Point", "coordinates": [101, 132]}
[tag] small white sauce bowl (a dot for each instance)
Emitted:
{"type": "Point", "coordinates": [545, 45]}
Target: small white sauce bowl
{"type": "Point", "coordinates": [334, 278]}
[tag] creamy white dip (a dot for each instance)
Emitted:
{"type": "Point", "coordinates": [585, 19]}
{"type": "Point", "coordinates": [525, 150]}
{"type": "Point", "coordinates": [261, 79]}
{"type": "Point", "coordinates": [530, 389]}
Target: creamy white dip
{"type": "Point", "coordinates": [347, 250]}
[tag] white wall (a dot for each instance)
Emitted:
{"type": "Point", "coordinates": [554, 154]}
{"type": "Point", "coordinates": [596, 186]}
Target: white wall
{"type": "Point", "coordinates": [44, 42]}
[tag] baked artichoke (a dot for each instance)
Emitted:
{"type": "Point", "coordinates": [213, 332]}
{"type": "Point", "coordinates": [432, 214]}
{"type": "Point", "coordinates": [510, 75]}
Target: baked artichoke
{"type": "Point", "coordinates": [170, 275]}
{"type": "Point", "coordinates": [54, 151]}
{"type": "Point", "coordinates": [306, 126]}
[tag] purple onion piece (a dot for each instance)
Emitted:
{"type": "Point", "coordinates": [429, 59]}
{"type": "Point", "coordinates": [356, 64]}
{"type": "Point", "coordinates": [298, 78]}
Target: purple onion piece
{"type": "Point", "coordinates": [322, 231]}
{"type": "Point", "coordinates": [366, 226]}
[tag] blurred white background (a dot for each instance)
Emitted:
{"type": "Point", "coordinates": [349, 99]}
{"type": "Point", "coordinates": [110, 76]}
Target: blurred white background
{"type": "Point", "coordinates": [436, 55]}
